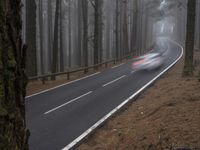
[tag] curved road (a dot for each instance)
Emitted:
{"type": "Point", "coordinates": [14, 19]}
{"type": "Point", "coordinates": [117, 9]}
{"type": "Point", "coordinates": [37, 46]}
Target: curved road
{"type": "Point", "coordinates": [59, 118]}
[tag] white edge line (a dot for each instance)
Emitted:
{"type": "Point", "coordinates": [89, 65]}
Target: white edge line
{"type": "Point", "coordinates": [117, 65]}
{"type": "Point", "coordinates": [54, 109]}
{"type": "Point", "coordinates": [114, 81]}
{"type": "Point", "coordinates": [61, 85]}
{"type": "Point", "coordinates": [87, 132]}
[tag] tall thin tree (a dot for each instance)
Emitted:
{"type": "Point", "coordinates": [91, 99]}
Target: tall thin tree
{"type": "Point", "coordinates": [98, 33]}
{"type": "Point", "coordinates": [69, 34]}
{"type": "Point", "coordinates": [50, 33]}
{"type": "Point", "coordinates": [117, 31]}
{"type": "Point", "coordinates": [79, 33]}
{"type": "Point", "coordinates": [55, 40]}
{"type": "Point", "coordinates": [61, 38]}
{"type": "Point", "coordinates": [41, 35]}
{"type": "Point", "coordinates": [189, 45]}
{"type": "Point", "coordinates": [85, 31]}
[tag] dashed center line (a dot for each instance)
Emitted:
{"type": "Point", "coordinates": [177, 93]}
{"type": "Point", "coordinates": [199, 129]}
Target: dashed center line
{"type": "Point", "coordinates": [113, 81]}
{"type": "Point", "coordinates": [117, 65]}
{"type": "Point", "coordinates": [56, 87]}
{"type": "Point", "coordinates": [67, 103]}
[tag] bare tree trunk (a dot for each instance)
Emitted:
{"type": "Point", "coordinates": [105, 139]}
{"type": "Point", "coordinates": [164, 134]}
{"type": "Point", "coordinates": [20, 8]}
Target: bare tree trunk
{"type": "Point", "coordinates": [70, 35]}
{"type": "Point", "coordinates": [125, 48]}
{"type": "Point", "coordinates": [80, 35]}
{"type": "Point", "coordinates": [98, 34]}
{"type": "Point", "coordinates": [134, 28]}
{"type": "Point", "coordinates": [31, 38]}
{"type": "Point", "coordinates": [55, 41]}
{"type": "Point", "coordinates": [85, 31]}
{"type": "Point", "coordinates": [41, 35]}
{"type": "Point", "coordinates": [61, 39]}
{"type": "Point", "coordinates": [117, 31]}
{"type": "Point", "coordinates": [108, 35]}
{"type": "Point", "coordinates": [50, 32]}
{"type": "Point", "coordinates": [189, 46]}
{"type": "Point", "coordinates": [13, 133]}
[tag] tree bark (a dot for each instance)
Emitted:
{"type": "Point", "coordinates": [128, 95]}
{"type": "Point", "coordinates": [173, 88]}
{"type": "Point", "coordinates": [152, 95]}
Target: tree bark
{"type": "Point", "coordinates": [13, 133]}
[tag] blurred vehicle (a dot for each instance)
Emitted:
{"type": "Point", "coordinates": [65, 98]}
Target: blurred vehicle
{"type": "Point", "coordinates": [148, 62]}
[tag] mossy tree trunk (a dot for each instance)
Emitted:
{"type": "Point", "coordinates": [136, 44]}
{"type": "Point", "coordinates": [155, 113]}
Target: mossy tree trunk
{"type": "Point", "coordinates": [189, 47]}
{"type": "Point", "coordinates": [13, 133]}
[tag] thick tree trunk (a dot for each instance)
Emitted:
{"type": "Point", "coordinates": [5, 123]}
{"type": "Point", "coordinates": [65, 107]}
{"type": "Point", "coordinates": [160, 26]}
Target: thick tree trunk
{"type": "Point", "coordinates": [31, 64]}
{"type": "Point", "coordinates": [13, 134]}
{"type": "Point", "coordinates": [189, 46]}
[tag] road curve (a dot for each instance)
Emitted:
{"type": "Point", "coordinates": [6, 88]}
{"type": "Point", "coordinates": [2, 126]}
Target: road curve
{"type": "Point", "coordinates": [60, 117]}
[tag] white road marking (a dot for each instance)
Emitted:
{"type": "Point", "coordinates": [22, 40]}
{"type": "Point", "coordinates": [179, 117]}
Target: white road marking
{"type": "Point", "coordinates": [87, 132]}
{"type": "Point", "coordinates": [62, 85]}
{"type": "Point", "coordinates": [114, 80]}
{"type": "Point", "coordinates": [117, 65]}
{"type": "Point", "coordinates": [67, 103]}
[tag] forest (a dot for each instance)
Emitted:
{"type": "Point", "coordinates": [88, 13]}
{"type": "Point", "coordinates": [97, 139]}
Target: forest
{"type": "Point", "coordinates": [68, 34]}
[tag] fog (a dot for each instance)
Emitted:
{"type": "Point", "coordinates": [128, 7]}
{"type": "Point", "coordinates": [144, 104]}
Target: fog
{"type": "Point", "coordinates": [123, 27]}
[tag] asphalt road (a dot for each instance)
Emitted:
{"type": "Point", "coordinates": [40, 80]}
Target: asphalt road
{"type": "Point", "coordinates": [60, 117]}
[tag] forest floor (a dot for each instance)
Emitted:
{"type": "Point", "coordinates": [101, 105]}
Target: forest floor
{"type": "Point", "coordinates": [166, 116]}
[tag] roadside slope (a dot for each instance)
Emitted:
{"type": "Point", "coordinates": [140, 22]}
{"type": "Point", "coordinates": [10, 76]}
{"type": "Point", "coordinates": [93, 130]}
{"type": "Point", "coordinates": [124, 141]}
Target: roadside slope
{"type": "Point", "coordinates": [166, 116]}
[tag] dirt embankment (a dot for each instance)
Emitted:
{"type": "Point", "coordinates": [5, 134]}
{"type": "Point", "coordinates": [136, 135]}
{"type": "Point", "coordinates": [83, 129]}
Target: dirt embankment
{"type": "Point", "coordinates": [166, 116]}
